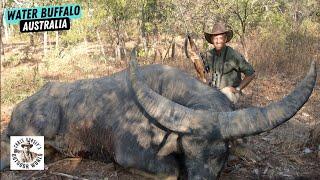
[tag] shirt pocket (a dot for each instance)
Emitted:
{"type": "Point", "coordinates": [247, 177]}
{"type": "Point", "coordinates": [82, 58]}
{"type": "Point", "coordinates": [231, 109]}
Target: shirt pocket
{"type": "Point", "coordinates": [228, 67]}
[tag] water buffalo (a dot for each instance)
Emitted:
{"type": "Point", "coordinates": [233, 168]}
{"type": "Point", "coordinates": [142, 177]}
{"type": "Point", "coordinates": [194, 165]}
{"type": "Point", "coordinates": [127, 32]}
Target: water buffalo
{"type": "Point", "coordinates": [153, 118]}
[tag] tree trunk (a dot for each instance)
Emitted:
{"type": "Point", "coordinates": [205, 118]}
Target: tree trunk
{"type": "Point", "coordinates": [244, 45]}
{"type": "Point", "coordinates": [101, 44]}
{"type": "Point", "coordinates": [57, 40]}
{"type": "Point", "coordinates": [31, 38]}
{"type": "Point", "coordinates": [122, 50]}
{"type": "Point", "coordinates": [2, 27]}
{"type": "Point", "coordinates": [118, 47]}
{"type": "Point", "coordinates": [118, 52]}
{"type": "Point", "coordinates": [143, 30]}
{"type": "Point", "coordinates": [45, 43]}
{"type": "Point", "coordinates": [6, 32]}
{"type": "Point", "coordinates": [173, 50]}
{"type": "Point", "coordinates": [2, 51]}
{"type": "Point", "coordinates": [157, 56]}
{"type": "Point", "coordinates": [5, 27]}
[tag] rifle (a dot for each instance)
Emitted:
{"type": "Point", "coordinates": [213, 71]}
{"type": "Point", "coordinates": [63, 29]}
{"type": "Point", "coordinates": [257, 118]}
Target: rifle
{"type": "Point", "coordinates": [196, 58]}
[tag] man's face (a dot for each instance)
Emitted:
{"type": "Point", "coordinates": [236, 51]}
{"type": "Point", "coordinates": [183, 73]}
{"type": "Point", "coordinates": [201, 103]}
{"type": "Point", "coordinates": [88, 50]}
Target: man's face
{"type": "Point", "coordinates": [26, 148]}
{"type": "Point", "coordinates": [219, 41]}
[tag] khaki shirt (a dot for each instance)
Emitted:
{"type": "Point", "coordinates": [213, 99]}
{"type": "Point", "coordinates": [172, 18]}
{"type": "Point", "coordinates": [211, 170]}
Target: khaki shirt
{"type": "Point", "coordinates": [234, 65]}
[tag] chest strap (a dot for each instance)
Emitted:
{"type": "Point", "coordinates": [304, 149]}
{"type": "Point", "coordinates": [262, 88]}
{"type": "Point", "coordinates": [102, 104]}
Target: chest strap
{"type": "Point", "coordinates": [220, 69]}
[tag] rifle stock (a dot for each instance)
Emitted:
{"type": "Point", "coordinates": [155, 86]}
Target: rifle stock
{"type": "Point", "coordinates": [193, 54]}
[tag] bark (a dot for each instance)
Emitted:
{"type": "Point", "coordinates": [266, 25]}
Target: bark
{"type": "Point", "coordinates": [173, 50]}
{"type": "Point", "coordinates": [143, 30]}
{"type": "Point", "coordinates": [157, 56]}
{"type": "Point", "coordinates": [243, 23]}
{"type": "Point", "coordinates": [1, 33]}
{"type": "Point", "coordinates": [57, 40]}
{"type": "Point", "coordinates": [244, 46]}
{"type": "Point", "coordinates": [168, 49]}
{"type": "Point", "coordinates": [118, 47]}
{"type": "Point", "coordinates": [31, 36]}
{"type": "Point", "coordinates": [117, 52]}
{"type": "Point", "coordinates": [101, 44]}
{"type": "Point", "coordinates": [45, 43]}
{"type": "Point", "coordinates": [3, 26]}
{"type": "Point", "coordinates": [157, 48]}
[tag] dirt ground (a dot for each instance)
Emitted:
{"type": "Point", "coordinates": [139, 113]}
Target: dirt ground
{"type": "Point", "coordinates": [284, 152]}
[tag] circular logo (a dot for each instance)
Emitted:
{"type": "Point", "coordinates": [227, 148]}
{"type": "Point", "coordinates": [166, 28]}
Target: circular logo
{"type": "Point", "coordinates": [26, 153]}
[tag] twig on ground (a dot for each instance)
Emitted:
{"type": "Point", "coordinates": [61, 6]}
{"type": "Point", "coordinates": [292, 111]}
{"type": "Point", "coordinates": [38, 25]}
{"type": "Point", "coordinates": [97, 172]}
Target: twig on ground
{"type": "Point", "coordinates": [66, 175]}
{"type": "Point", "coordinates": [50, 165]}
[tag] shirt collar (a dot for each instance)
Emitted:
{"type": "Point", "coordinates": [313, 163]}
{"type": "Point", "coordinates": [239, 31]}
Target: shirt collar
{"type": "Point", "coordinates": [222, 51]}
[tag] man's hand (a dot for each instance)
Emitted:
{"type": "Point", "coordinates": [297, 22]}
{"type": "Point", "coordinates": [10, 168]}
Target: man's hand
{"type": "Point", "coordinates": [231, 89]}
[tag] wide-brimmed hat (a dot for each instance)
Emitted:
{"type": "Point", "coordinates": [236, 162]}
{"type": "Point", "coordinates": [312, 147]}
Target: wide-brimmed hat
{"type": "Point", "coordinates": [219, 28]}
{"type": "Point", "coordinates": [26, 144]}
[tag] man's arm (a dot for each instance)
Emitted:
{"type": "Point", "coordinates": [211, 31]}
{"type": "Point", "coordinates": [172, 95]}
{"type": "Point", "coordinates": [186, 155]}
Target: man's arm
{"type": "Point", "coordinates": [246, 80]}
{"type": "Point", "coordinates": [244, 83]}
{"type": "Point", "coordinates": [246, 69]}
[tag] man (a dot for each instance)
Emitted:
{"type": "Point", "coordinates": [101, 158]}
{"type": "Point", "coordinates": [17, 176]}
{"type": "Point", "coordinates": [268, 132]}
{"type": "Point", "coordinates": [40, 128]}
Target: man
{"type": "Point", "coordinates": [225, 64]}
{"type": "Point", "coordinates": [26, 155]}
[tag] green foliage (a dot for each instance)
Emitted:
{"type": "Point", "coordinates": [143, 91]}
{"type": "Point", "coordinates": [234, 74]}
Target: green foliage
{"type": "Point", "coordinates": [74, 35]}
{"type": "Point", "coordinates": [154, 13]}
{"type": "Point", "coordinates": [142, 53]}
{"type": "Point", "coordinates": [84, 28]}
{"type": "Point", "coordinates": [243, 15]}
{"type": "Point", "coordinates": [121, 10]}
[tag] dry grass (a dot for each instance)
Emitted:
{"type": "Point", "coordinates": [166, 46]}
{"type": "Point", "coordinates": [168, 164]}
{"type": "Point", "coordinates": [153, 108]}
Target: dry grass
{"type": "Point", "coordinates": [289, 55]}
{"type": "Point", "coordinates": [315, 136]}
